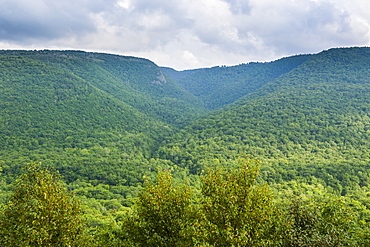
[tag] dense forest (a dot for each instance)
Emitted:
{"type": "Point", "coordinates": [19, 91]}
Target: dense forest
{"type": "Point", "coordinates": [257, 154]}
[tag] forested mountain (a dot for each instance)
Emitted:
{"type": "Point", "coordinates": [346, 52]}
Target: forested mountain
{"type": "Point", "coordinates": [135, 81]}
{"type": "Point", "coordinates": [310, 123]}
{"type": "Point", "coordinates": [219, 86]}
{"type": "Point", "coordinates": [109, 122]}
{"type": "Point", "coordinates": [177, 75]}
{"type": "Point", "coordinates": [51, 115]}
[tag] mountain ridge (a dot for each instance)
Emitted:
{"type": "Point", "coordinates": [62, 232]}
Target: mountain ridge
{"type": "Point", "coordinates": [131, 80]}
{"type": "Point", "coordinates": [310, 121]}
{"type": "Point", "coordinates": [304, 108]}
{"type": "Point", "coordinates": [221, 81]}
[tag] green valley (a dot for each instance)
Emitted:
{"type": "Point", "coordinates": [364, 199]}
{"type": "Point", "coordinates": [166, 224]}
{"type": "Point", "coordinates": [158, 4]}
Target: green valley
{"type": "Point", "coordinates": [257, 154]}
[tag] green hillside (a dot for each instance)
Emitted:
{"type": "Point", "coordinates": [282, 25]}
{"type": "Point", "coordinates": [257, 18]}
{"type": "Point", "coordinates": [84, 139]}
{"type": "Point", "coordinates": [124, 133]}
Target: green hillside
{"type": "Point", "coordinates": [219, 86]}
{"type": "Point", "coordinates": [51, 115]}
{"type": "Point", "coordinates": [310, 123]}
{"type": "Point", "coordinates": [301, 115]}
{"type": "Point", "coordinates": [135, 81]}
{"type": "Point", "coordinates": [178, 75]}
{"type": "Point", "coordinates": [109, 124]}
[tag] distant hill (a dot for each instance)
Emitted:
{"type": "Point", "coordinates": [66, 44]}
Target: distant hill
{"type": "Point", "coordinates": [312, 121]}
{"type": "Point", "coordinates": [53, 115]}
{"type": "Point", "coordinates": [137, 82]}
{"type": "Point", "coordinates": [219, 86]}
{"type": "Point", "coordinates": [178, 75]}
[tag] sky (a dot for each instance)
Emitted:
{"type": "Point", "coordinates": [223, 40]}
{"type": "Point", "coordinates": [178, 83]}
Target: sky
{"type": "Point", "coordinates": [186, 34]}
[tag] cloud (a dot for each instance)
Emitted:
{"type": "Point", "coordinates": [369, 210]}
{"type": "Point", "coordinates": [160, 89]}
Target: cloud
{"type": "Point", "coordinates": [305, 25]}
{"type": "Point", "coordinates": [22, 20]}
{"type": "Point", "coordinates": [186, 33]}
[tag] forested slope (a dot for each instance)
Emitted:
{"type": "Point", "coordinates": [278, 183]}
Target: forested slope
{"type": "Point", "coordinates": [56, 117]}
{"type": "Point", "coordinates": [135, 81]}
{"type": "Point", "coordinates": [108, 123]}
{"type": "Point", "coordinates": [304, 115]}
{"type": "Point", "coordinates": [219, 86]}
{"type": "Point", "coordinates": [310, 123]}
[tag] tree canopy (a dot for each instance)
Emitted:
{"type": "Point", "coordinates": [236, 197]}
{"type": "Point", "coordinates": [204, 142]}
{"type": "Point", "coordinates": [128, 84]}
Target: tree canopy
{"type": "Point", "coordinates": [41, 212]}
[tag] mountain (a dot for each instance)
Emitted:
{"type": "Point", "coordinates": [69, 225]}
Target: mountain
{"type": "Point", "coordinates": [50, 114]}
{"type": "Point", "coordinates": [177, 75]}
{"type": "Point", "coordinates": [309, 123]}
{"type": "Point", "coordinates": [219, 86]}
{"type": "Point", "coordinates": [135, 81]}
{"type": "Point", "coordinates": [109, 119]}
{"type": "Point", "coordinates": [108, 123]}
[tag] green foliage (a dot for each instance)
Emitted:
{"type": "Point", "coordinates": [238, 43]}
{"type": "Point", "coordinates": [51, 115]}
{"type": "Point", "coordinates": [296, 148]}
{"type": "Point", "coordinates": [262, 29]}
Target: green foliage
{"type": "Point", "coordinates": [324, 221]}
{"type": "Point", "coordinates": [236, 210]}
{"type": "Point", "coordinates": [41, 212]}
{"type": "Point", "coordinates": [50, 114]}
{"type": "Point", "coordinates": [161, 215]}
{"type": "Point", "coordinates": [109, 234]}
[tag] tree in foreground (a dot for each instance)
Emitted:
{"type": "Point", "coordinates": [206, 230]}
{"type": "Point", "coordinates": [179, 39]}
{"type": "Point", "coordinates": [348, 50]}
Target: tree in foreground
{"type": "Point", "coordinates": [321, 221]}
{"type": "Point", "coordinates": [41, 212]}
{"type": "Point", "coordinates": [162, 215]}
{"type": "Point", "coordinates": [236, 209]}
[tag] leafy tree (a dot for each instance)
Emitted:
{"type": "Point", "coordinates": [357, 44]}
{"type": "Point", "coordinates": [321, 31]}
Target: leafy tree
{"type": "Point", "coordinates": [234, 209]}
{"type": "Point", "coordinates": [320, 222]}
{"type": "Point", "coordinates": [41, 212]}
{"type": "Point", "coordinates": [161, 215]}
{"type": "Point", "coordinates": [238, 211]}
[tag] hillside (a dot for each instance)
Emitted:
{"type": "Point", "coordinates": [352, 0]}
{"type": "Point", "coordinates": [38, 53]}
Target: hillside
{"type": "Point", "coordinates": [51, 115]}
{"type": "Point", "coordinates": [310, 123]}
{"type": "Point", "coordinates": [298, 114]}
{"type": "Point", "coordinates": [108, 123]}
{"type": "Point", "coordinates": [219, 86]}
{"type": "Point", "coordinates": [135, 81]}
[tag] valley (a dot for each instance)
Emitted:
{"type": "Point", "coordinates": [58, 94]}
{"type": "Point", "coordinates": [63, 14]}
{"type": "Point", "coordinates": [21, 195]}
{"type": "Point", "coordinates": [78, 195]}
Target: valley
{"type": "Point", "coordinates": [109, 123]}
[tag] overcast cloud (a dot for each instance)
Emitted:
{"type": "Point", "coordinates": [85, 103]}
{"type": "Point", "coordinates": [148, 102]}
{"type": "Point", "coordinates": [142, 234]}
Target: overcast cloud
{"type": "Point", "coordinates": [186, 33]}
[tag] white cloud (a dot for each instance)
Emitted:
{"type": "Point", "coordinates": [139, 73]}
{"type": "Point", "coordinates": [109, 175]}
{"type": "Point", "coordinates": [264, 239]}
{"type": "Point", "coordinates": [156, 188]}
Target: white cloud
{"type": "Point", "coordinates": [186, 33]}
{"type": "Point", "coordinates": [126, 4]}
